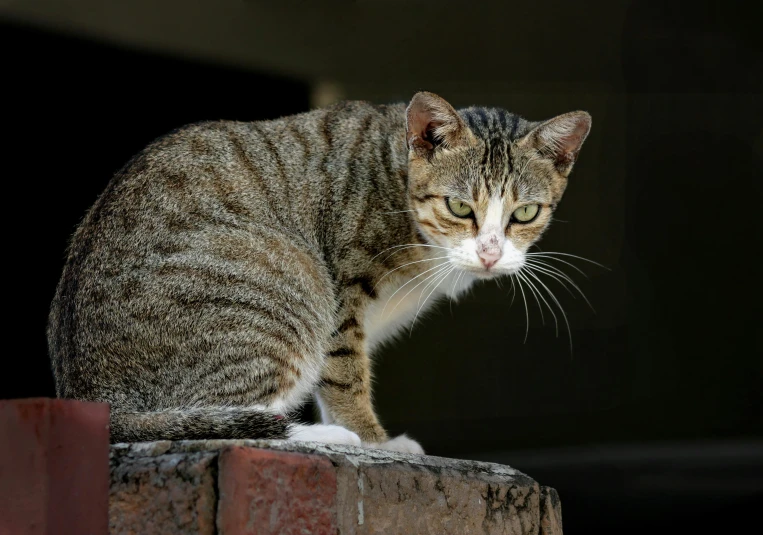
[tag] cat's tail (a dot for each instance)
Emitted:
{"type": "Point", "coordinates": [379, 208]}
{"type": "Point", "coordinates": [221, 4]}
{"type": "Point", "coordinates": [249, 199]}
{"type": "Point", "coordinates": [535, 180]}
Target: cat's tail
{"type": "Point", "coordinates": [199, 424]}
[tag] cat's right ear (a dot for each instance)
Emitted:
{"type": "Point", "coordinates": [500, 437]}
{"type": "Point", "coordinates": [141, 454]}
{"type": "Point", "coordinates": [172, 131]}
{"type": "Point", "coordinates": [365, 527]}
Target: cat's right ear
{"type": "Point", "coordinates": [560, 139]}
{"type": "Point", "coordinates": [432, 123]}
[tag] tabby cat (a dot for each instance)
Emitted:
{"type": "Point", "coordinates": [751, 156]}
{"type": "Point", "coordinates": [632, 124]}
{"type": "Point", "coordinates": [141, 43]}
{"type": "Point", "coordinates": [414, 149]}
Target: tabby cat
{"type": "Point", "coordinates": [231, 270]}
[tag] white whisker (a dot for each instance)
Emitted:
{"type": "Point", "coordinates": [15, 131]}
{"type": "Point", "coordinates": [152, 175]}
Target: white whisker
{"type": "Point", "coordinates": [527, 312]}
{"type": "Point", "coordinates": [552, 253]}
{"type": "Point", "coordinates": [442, 268]}
{"type": "Point", "coordinates": [408, 246]}
{"type": "Point", "coordinates": [513, 290]}
{"type": "Point", "coordinates": [408, 264]}
{"type": "Point", "coordinates": [411, 246]}
{"type": "Point", "coordinates": [440, 265]}
{"type": "Point", "coordinates": [554, 270]}
{"type": "Point", "coordinates": [424, 289]}
{"type": "Point", "coordinates": [543, 268]}
{"type": "Point", "coordinates": [558, 304]}
{"type": "Point", "coordinates": [534, 292]}
{"type": "Point", "coordinates": [453, 290]}
{"type": "Point", "coordinates": [549, 257]}
{"type": "Point", "coordinates": [441, 278]}
{"type": "Point", "coordinates": [556, 321]}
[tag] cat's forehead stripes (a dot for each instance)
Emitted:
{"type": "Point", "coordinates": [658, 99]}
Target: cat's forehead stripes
{"type": "Point", "coordinates": [497, 129]}
{"type": "Point", "coordinates": [494, 123]}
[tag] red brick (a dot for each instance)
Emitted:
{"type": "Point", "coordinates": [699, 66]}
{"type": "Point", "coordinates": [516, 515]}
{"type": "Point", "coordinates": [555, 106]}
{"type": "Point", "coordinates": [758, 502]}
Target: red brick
{"type": "Point", "coordinates": [268, 492]}
{"type": "Point", "coordinates": [54, 467]}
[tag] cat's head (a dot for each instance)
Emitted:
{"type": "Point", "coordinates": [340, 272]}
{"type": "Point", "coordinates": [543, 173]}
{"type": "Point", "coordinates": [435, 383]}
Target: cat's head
{"type": "Point", "coordinates": [483, 182]}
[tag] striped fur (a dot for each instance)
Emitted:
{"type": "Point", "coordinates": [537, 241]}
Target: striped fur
{"type": "Point", "coordinates": [229, 270]}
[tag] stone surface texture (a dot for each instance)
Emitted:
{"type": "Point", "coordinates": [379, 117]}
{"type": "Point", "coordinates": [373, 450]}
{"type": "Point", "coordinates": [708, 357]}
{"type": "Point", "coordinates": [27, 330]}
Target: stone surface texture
{"type": "Point", "coordinates": [266, 487]}
{"type": "Point", "coordinates": [550, 511]}
{"type": "Point", "coordinates": [156, 492]}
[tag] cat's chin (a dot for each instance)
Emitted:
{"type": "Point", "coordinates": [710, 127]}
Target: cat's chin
{"type": "Point", "coordinates": [484, 274]}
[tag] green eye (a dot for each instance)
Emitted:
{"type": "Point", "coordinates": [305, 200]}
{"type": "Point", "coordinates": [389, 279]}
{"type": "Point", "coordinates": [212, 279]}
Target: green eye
{"type": "Point", "coordinates": [458, 208]}
{"type": "Point", "coordinates": [526, 213]}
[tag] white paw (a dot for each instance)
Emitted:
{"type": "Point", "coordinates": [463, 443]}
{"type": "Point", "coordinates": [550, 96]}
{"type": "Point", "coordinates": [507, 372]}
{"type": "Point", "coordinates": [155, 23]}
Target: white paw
{"type": "Point", "coordinates": [327, 434]}
{"type": "Point", "coordinates": [403, 444]}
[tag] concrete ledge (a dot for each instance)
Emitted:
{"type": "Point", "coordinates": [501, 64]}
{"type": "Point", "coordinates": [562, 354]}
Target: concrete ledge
{"type": "Point", "coordinates": [267, 487]}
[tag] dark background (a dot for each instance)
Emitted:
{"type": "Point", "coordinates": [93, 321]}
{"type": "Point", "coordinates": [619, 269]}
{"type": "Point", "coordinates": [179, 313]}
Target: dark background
{"type": "Point", "coordinates": [653, 421]}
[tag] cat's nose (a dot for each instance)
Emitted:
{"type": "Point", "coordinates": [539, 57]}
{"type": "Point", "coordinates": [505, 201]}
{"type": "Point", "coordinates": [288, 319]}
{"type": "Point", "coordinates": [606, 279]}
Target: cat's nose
{"type": "Point", "coordinates": [489, 258]}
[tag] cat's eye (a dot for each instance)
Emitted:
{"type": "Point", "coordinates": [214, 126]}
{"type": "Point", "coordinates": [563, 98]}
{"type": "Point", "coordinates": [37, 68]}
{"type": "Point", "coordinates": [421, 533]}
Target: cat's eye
{"type": "Point", "coordinates": [526, 213]}
{"type": "Point", "coordinates": [458, 208]}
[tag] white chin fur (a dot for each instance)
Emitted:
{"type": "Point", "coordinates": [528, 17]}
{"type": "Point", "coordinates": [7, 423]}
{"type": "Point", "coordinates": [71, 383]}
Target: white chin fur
{"type": "Point", "coordinates": [402, 444]}
{"type": "Point", "coordinates": [325, 434]}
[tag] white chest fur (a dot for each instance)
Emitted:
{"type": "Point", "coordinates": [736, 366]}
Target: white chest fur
{"type": "Point", "coordinates": [399, 303]}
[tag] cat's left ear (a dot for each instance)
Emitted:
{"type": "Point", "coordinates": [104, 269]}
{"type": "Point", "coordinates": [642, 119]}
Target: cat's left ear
{"type": "Point", "coordinates": [432, 123]}
{"type": "Point", "coordinates": [560, 138]}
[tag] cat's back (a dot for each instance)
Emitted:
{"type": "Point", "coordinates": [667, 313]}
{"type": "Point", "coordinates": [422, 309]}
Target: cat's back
{"type": "Point", "coordinates": [232, 172]}
{"type": "Point", "coordinates": [214, 178]}
{"type": "Point", "coordinates": [197, 212]}
{"type": "Point", "coordinates": [209, 178]}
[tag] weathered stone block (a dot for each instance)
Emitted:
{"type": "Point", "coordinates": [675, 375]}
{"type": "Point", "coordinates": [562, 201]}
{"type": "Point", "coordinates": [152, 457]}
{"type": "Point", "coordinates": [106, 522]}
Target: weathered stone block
{"type": "Point", "coordinates": [156, 492]}
{"type": "Point", "coordinates": [401, 499]}
{"type": "Point", "coordinates": [550, 512]}
{"type": "Point", "coordinates": [354, 491]}
{"type": "Point", "coordinates": [390, 493]}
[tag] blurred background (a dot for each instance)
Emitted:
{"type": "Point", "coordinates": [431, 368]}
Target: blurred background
{"type": "Point", "coordinates": [653, 421]}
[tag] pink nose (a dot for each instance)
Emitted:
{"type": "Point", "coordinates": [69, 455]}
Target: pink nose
{"type": "Point", "coordinates": [489, 259]}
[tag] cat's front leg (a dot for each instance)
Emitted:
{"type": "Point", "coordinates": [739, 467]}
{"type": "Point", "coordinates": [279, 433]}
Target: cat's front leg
{"type": "Point", "coordinates": [344, 394]}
